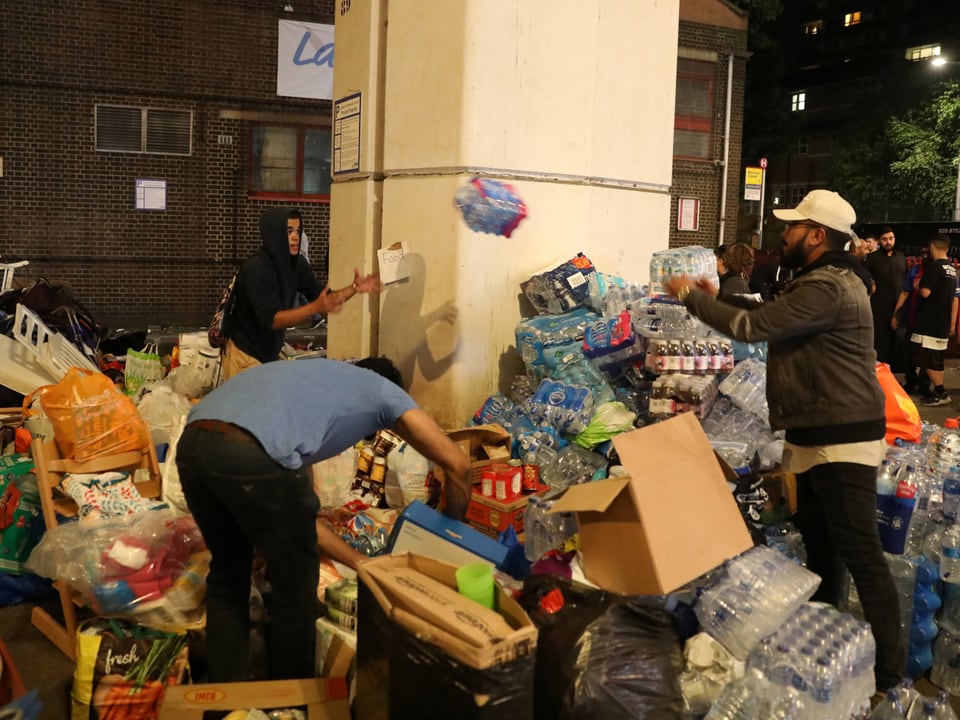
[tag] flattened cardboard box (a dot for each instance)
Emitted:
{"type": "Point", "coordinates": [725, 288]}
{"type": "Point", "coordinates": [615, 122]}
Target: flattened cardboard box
{"type": "Point", "coordinates": [668, 523]}
{"type": "Point", "coordinates": [522, 640]}
{"type": "Point", "coordinates": [325, 699]}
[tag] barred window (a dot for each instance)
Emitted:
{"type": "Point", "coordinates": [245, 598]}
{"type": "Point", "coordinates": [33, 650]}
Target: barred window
{"type": "Point", "coordinates": [143, 130]}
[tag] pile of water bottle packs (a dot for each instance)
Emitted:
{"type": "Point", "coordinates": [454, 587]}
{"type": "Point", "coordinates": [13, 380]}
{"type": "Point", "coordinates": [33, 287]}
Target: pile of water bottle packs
{"type": "Point", "coordinates": [804, 661]}
{"type": "Point", "coordinates": [918, 499]}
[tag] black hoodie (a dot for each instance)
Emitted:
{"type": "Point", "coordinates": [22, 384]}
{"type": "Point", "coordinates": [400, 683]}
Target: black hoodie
{"type": "Point", "coordinates": [267, 283]}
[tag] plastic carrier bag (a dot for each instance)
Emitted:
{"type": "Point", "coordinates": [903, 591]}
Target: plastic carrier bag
{"type": "Point", "coordinates": [123, 669]}
{"type": "Point", "coordinates": [143, 367]}
{"type": "Point", "coordinates": [602, 655]}
{"type": "Point", "coordinates": [903, 418]}
{"type": "Point", "coordinates": [90, 416]}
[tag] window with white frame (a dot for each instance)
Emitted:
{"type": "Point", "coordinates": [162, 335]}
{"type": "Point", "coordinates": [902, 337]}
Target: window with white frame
{"type": "Point", "coordinates": [797, 193]}
{"type": "Point", "coordinates": [922, 52]}
{"type": "Point", "coordinates": [798, 101]}
{"type": "Point", "coordinates": [851, 18]}
{"type": "Point", "coordinates": [803, 144]}
{"type": "Point", "coordinates": [815, 27]}
{"type": "Point", "coordinates": [156, 131]}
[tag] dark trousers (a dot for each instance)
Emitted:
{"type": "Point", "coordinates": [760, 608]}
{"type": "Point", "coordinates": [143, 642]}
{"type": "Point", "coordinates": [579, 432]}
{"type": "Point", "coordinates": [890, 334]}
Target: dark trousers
{"type": "Point", "coordinates": [838, 520]}
{"type": "Point", "coordinates": [242, 500]}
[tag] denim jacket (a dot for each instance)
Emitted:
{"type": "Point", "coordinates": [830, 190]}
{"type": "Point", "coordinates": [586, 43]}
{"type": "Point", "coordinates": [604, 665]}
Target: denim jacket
{"type": "Point", "coordinates": [820, 362]}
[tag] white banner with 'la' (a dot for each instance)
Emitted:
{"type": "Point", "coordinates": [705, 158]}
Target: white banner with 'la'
{"type": "Point", "coordinates": [305, 60]}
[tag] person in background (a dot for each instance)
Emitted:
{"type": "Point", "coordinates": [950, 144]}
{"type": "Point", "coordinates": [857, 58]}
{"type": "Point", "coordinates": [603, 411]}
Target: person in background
{"type": "Point", "coordinates": [936, 317]}
{"type": "Point", "coordinates": [738, 263]}
{"type": "Point", "coordinates": [822, 390]}
{"type": "Point", "coordinates": [857, 248]}
{"type": "Point", "coordinates": [905, 319]}
{"type": "Point", "coordinates": [869, 244]}
{"type": "Point", "coordinates": [769, 280]}
{"type": "Point", "coordinates": [243, 460]}
{"type": "Point", "coordinates": [888, 267]}
{"type": "Point", "coordinates": [718, 253]}
{"type": "Point", "coordinates": [265, 294]}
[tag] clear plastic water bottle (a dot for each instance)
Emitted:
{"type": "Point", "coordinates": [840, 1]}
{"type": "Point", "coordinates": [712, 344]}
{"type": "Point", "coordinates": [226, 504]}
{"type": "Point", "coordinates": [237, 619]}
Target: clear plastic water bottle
{"type": "Point", "coordinates": [951, 496]}
{"type": "Point", "coordinates": [945, 672]}
{"type": "Point", "coordinates": [925, 709]}
{"type": "Point", "coordinates": [950, 555]}
{"type": "Point", "coordinates": [919, 518]}
{"type": "Point", "coordinates": [890, 708]}
{"type": "Point", "coordinates": [944, 708]}
{"type": "Point", "coordinates": [944, 446]}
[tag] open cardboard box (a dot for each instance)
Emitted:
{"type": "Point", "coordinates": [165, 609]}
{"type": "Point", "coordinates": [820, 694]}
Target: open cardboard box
{"type": "Point", "coordinates": [325, 699]}
{"type": "Point", "coordinates": [483, 444]}
{"type": "Point", "coordinates": [673, 519]}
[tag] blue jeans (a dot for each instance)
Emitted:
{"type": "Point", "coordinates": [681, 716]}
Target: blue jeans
{"type": "Point", "coordinates": [243, 500]}
{"type": "Point", "coordinates": [838, 520]}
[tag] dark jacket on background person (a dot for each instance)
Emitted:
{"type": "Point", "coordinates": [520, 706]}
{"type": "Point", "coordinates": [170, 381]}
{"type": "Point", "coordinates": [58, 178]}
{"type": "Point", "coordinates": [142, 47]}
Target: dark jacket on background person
{"type": "Point", "coordinates": [820, 334]}
{"type": "Point", "coordinates": [267, 283]}
{"type": "Point", "coordinates": [733, 284]}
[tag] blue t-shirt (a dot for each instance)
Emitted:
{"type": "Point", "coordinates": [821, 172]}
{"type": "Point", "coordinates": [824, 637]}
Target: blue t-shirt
{"type": "Point", "coordinates": [304, 411]}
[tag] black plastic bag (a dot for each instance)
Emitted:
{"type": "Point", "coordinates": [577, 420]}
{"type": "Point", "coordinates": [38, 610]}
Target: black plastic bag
{"type": "Point", "coordinates": [603, 655]}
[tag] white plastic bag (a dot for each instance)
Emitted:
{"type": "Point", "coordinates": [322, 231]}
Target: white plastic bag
{"type": "Point", "coordinates": [333, 478]}
{"type": "Point", "coordinates": [170, 490]}
{"type": "Point", "coordinates": [406, 478]}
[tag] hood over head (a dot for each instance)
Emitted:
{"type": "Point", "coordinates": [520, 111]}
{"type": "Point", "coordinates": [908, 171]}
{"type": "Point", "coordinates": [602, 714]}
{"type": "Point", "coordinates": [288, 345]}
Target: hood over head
{"type": "Point", "coordinates": [273, 243]}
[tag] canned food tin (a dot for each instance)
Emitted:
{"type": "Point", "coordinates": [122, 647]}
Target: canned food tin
{"type": "Point", "coordinates": [365, 461]}
{"type": "Point", "coordinates": [487, 477]}
{"type": "Point", "coordinates": [501, 485]}
{"type": "Point", "coordinates": [379, 470]}
{"type": "Point", "coordinates": [531, 477]}
{"type": "Point", "coordinates": [516, 477]}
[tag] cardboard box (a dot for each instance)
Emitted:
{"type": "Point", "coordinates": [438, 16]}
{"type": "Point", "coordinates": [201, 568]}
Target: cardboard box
{"type": "Point", "coordinates": [439, 605]}
{"type": "Point", "coordinates": [668, 523]}
{"type": "Point", "coordinates": [483, 444]}
{"type": "Point", "coordinates": [781, 487]}
{"type": "Point", "coordinates": [491, 516]}
{"type": "Point", "coordinates": [325, 699]}
{"type": "Point", "coordinates": [335, 649]}
{"type": "Point", "coordinates": [423, 531]}
{"type": "Point", "coordinates": [407, 667]}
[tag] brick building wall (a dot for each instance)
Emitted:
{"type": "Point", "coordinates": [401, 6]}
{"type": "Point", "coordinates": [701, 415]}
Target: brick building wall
{"type": "Point", "coordinates": [702, 179]}
{"type": "Point", "coordinates": [69, 210]}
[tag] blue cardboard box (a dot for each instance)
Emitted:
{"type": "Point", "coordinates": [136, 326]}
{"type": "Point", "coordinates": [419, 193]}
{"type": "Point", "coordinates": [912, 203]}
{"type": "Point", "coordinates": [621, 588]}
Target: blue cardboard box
{"type": "Point", "coordinates": [423, 531]}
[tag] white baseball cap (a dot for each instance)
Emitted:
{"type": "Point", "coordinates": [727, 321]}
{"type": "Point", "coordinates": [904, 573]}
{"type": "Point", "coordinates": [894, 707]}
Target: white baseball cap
{"type": "Point", "coordinates": [823, 207]}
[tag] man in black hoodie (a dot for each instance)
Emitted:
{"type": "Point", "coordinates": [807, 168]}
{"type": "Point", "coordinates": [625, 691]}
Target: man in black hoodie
{"type": "Point", "coordinates": [264, 296]}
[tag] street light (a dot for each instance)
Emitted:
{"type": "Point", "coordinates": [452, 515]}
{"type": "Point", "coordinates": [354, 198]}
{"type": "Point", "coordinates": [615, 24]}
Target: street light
{"type": "Point", "coordinates": [939, 62]}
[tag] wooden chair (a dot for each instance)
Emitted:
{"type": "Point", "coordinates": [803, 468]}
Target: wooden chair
{"type": "Point", "coordinates": [51, 468]}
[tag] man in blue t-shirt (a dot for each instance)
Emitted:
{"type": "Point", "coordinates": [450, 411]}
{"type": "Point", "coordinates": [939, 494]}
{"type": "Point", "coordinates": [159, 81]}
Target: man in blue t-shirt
{"type": "Point", "coordinates": [242, 462]}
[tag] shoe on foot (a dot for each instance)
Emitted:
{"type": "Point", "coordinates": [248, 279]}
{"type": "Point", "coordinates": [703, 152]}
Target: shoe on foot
{"type": "Point", "coordinates": [936, 400]}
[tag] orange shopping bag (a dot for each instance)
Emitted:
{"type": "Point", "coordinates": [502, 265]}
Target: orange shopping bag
{"type": "Point", "coordinates": [90, 416]}
{"type": "Point", "coordinates": [903, 418]}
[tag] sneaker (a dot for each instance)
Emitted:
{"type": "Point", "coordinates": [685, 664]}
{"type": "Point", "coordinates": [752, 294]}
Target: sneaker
{"type": "Point", "coordinates": [936, 400]}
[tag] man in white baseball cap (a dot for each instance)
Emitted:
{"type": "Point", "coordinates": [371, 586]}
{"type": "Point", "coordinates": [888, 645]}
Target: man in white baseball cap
{"type": "Point", "coordinates": [822, 389]}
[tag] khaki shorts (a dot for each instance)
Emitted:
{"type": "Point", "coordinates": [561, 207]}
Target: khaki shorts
{"type": "Point", "coordinates": [235, 361]}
